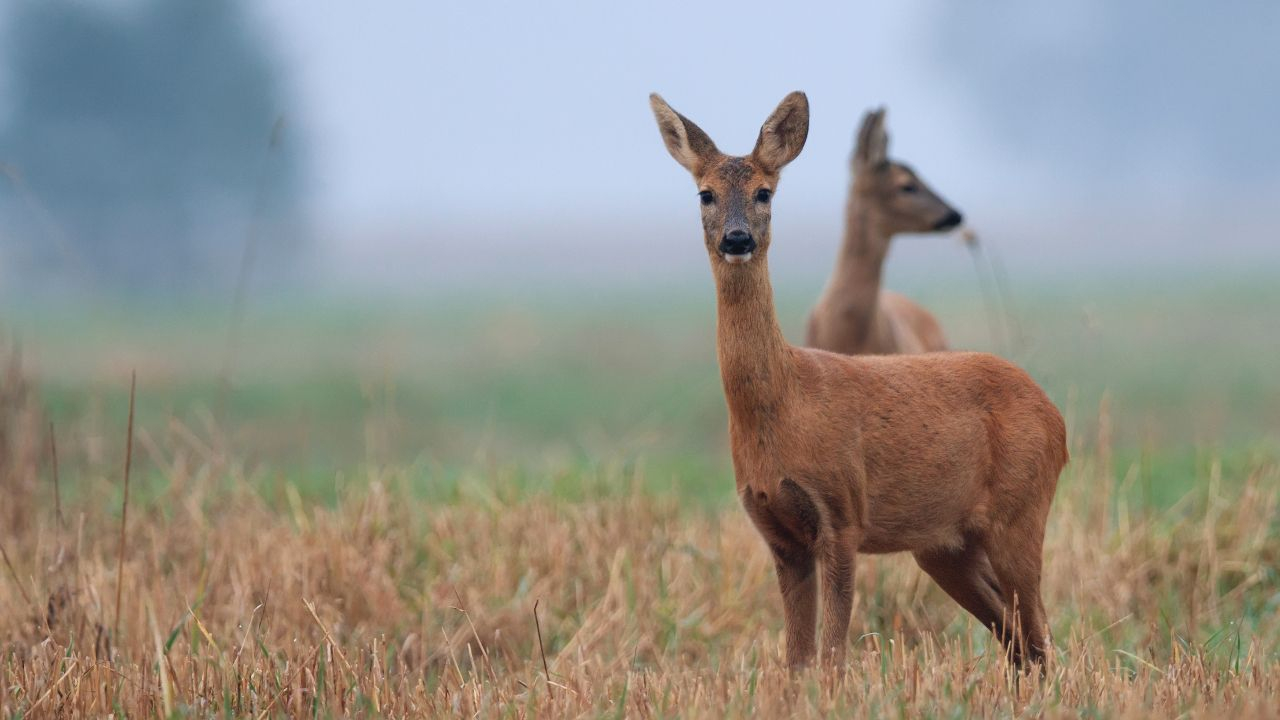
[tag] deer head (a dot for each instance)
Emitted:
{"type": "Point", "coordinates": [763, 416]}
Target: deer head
{"type": "Point", "coordinates": [736, 191]}
{"type": "Point", "coordinates": [896, 196]}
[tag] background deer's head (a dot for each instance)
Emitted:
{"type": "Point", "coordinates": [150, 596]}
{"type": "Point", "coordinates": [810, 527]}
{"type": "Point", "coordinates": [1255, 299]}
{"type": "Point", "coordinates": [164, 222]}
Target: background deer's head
{"type": "Point", "coordinates": [894, 195]}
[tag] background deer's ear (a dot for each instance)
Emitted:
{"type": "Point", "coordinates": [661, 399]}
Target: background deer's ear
{"type": "Point", "coordinates": [687, 143]}
{"type": "Point", "coordinates": [873, 142]}
{"type": "Point", "coordinates": [782, 136]}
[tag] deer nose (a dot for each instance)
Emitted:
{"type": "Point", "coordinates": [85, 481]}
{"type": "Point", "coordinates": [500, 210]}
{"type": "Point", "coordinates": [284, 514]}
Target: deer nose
{"type": "Point", "coordinates": [737, 242]}
{"type": "Point", "coordinates": [952, 219]}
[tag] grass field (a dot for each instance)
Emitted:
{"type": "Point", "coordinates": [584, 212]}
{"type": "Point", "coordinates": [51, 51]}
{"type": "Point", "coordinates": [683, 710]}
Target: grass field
{"type": "Point", "coordinates": [366, 519]}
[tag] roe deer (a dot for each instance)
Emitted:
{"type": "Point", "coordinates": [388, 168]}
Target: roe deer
{"type": "Point", "coordinates": [854, 316]}
{"type": "Point", "coordinates": [953, 457]}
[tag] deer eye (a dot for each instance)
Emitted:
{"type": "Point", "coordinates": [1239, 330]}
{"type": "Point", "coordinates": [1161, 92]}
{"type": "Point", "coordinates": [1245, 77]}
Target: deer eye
{"type": "Point", "coordinates": [910, 188]}
{"type": "Point", "coordinates": [763, 195]}
{"type": "Point", "coordinates": [707, 197]}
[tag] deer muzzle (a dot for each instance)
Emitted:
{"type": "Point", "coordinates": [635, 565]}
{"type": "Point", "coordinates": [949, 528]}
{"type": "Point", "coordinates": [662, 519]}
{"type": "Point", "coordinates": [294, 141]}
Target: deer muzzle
{"type": "Point", "coordinates": [737, 246]}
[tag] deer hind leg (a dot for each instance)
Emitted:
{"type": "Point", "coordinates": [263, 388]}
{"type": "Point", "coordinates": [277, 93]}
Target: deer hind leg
{"type": "Point", "coordinates": [967, 576]}
{"type": "Point", "coordinates": [1016, 556]}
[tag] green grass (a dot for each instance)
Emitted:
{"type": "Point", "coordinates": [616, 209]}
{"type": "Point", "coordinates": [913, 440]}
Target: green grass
{"type": "Point", "coordinates": [561, 381]}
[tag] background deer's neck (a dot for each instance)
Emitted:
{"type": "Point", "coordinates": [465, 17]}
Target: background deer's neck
{"type": "Point", "coordinates": [854, 289]}
{"type": "Point", "coordinates": [755, 360]}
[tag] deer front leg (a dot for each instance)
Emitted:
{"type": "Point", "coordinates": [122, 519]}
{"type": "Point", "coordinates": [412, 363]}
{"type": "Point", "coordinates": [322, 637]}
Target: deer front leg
{"type": "Point", "coordinates": [799, 586]}
{"type": "Point", "coordinates": [839, 553]}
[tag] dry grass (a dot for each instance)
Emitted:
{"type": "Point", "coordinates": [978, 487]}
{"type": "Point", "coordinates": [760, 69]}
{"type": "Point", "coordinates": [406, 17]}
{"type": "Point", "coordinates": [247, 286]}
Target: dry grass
{"type": "Point", "coordinates": [386, 605]}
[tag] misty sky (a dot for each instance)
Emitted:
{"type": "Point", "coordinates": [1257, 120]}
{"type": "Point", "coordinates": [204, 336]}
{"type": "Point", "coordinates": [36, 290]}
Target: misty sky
{"type": "Point", "coordinates": [424, 109]}
{"type": "Point", "coordinates": [500, 118]}
{"type": "Point", "coordinates": [453, 131]}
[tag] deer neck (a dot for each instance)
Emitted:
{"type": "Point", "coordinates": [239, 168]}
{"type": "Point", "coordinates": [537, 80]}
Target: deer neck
{"type": "Point", "coordinates": [755, 360]}
{"type": "Point", "coordinates": [854, 289]}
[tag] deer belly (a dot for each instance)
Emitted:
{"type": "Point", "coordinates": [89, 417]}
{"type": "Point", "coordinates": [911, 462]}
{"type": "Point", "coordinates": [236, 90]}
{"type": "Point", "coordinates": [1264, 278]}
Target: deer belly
{"type": "Point", "coordinates": [916, 515]}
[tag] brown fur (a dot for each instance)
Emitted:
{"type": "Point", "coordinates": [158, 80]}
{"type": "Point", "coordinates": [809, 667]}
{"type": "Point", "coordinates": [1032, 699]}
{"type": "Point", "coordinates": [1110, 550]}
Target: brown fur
{"type": "Point", "coordinates": [854, 316]}
{"type": "Point", "coordinates": [953, 457]}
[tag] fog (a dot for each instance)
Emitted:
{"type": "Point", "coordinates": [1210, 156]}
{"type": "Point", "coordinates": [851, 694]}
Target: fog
{"type": "Point", "coordinates": [481, 141]}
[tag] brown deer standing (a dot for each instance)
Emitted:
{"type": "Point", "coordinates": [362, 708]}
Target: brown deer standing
{"type": "Point", "coordinates": [953, 457]}
{"type": "Point", "coordinates": [854, 316]}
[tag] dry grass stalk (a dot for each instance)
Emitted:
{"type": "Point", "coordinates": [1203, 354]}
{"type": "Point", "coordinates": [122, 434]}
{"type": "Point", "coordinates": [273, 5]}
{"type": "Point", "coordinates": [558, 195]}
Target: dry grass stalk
{"type": "Point", "coordinates": [57, 489]}
{"type": "Point", "coordinates": [124, 509]}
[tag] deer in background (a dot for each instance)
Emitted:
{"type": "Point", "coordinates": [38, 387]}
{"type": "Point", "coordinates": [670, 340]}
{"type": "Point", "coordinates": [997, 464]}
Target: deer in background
{"type": "Point", "coordinates": [953, 457]}
{"type": "Point", "coordinates": [854, 316]}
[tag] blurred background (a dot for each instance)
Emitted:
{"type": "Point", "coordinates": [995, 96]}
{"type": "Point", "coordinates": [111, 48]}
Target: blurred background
{"type": "Point", "coordinates": [444, 236]}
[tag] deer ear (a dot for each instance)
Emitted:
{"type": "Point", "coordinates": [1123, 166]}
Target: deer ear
{"type": "Point", "coordinates": [782, 136]}
{"type": "Point", "coordinates": [687, 143]}
{"type": "Point", "coordinates": [873, 142]}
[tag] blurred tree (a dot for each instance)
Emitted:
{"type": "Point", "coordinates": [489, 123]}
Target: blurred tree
{"type": "Point", "coordinates": [140, 142]}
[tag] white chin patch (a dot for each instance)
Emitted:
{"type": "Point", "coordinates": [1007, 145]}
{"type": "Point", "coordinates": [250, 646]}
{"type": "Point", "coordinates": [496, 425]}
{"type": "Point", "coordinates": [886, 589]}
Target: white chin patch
{"type": "Point", "coordinates": [736, 259]}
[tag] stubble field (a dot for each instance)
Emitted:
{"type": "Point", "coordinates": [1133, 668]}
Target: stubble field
{"type": "Point", "coordinates": [525, 510]}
